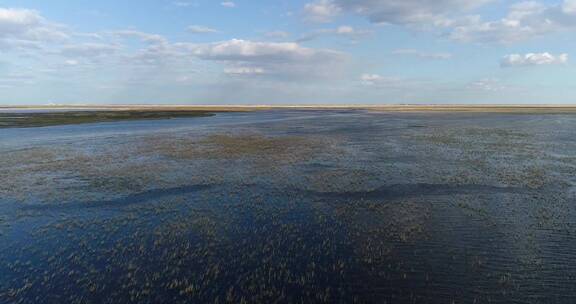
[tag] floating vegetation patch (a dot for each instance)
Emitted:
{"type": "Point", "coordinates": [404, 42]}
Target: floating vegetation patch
{"type": "Point", "coordinates": [286, 149]}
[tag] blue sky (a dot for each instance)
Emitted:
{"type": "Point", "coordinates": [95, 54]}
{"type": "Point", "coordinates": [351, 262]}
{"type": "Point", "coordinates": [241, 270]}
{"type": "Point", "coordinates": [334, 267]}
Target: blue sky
{"type": "Point", "coordinates": [287, 52]}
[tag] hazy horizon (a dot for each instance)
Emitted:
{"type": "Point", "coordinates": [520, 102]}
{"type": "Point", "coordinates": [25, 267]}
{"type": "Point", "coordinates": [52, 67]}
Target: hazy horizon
{"type": "Point", "coordinates": [303, 52]}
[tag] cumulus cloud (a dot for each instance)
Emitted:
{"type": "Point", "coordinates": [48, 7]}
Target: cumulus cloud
{"type": "Point", "coordinates": [275, 58]}
{"type": "Point", "coordinates": [24, 27]}
{"type": "Point", "coordinates": [533, 59]}
{"type": "Point", "coordinates": [321, 11]}
{"type": "Point", "coordinates": [400, 12]}
{"type": "Point", "coordinates": [423, 55]}
{"type": "Point", "coordinates": [17, 21]}
{"type": "Point", "coordinates": [129, 58]}
{"type": "Point", "coordinates": [456, 19]}
{"type": "Point", "coordinates": [199, 29]}
{"type": "Point", "coordinates": [245, 50]}
{"type": "Point", "coordinates": [238, 57]}
{"type": "Point", "coordinates": [525, 20]}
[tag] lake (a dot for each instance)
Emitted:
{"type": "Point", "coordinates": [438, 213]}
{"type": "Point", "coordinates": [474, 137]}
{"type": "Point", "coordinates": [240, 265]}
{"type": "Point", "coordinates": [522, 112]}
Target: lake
{"type": "Point", "coordinates": [314, 206]}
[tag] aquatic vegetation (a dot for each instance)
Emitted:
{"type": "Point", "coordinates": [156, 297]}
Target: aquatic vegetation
{"type": "Point", "coordinates": [256, 147]}
{"type": "Point", "coordinates": [44, 119]}
{"type": "Point", "coordinates": [365, 208]}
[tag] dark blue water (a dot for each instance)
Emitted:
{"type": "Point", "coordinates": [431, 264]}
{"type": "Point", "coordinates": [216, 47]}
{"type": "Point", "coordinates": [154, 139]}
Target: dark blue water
{"type": "Point", "coordinates": [291, 206]}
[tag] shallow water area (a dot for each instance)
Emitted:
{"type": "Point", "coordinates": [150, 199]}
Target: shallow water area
{"type": "Point", "coordinates": [315, 206]}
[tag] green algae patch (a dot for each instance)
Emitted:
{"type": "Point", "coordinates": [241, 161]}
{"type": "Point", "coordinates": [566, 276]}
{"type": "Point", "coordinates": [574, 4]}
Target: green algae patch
{"type": "Point", "coordinates": [45, 119]}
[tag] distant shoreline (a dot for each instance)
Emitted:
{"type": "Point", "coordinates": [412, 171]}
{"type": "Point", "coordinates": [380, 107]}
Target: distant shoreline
{"type": "Point", "coordinates": [555, 109]}
{"type": "Point", "coordinates": [31, 119]}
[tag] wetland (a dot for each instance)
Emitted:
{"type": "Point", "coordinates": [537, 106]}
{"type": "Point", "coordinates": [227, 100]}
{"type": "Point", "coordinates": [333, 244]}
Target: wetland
{"type": "Point", "coordinates": [288, 206]}
{"type": "Point", "coordinates": [30, 119]}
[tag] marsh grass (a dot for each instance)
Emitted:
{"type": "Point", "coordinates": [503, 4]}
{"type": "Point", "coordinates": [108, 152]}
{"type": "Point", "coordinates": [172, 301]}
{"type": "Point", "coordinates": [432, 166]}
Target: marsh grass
{"type": "Point", "coordinates": [45, 119]}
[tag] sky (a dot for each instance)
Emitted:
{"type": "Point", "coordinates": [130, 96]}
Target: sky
{"type": "Point", "coordinates": [287, 52]}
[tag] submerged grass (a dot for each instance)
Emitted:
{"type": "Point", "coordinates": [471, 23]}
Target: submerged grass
{"type": "Point", "coordinates": [320, 214]}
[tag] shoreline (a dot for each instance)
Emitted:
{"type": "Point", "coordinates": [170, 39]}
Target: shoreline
{"type": "Point", "coordinates": [544, 109]}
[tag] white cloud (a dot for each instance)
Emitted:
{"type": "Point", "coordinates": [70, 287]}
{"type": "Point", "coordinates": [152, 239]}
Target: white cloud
{"type": "Point", "coordinates": [569, 7]}
{"type": "Point", "coordinates": [89, 50]}
{"type": "Point", "coordinates": [158, 50]}
{"type": "Point", "coordinates": [488, 85]}
{"type": "Point", "coordinates": [228, 4]}
{"type": "Point", "coordinates": [321, 11]}
{"type": "Point", "coordinates": [152, 51]}
{"type": "Point", "coordinates": [376, 80]}
{"type": "Point", "coordinates": [185, 4]}
{"type": "Point", "coordinates": [525, 20]}
{"type": "Point", "coordinates": [19, 21]}
{"type": "Point", "coordinates": [533, 59]}
{"type": "Point", "coordinates": [405, 12]}
{"type": "Point", "coordinates": [146, 37]}
{"type": "Point", "coordinates": [244, 50]}
{"type": "Point", "coordinates": [198, 29]}
{"type": "Point", "coordinates": [71, 62]}
{"type": "Point", "coordinates": [277, 59]}
{"type": "Point", "coordinates": [423, 55]}
{"type": "Point", "coordinates": [370, 79]}
{"type": "Point", "coordinates": [236, 71]}
{"type": "Point", "coordinates": [345, 30]}
{"type": "Point", "coordinates": [131, 58]}
{"type": "Point", "coordinates": [22, 27]}
{"type": "Point", "coordinates": [456, 19]}
{"type": "Point", "coordinates": [341, 31]}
